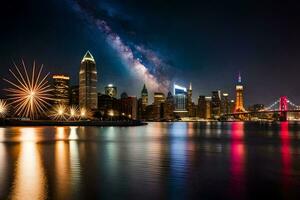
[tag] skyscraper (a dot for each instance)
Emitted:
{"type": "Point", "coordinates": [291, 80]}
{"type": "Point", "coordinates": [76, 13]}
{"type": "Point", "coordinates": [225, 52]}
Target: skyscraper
{"type": "Point", "coordinates": [239, 101]}
{"type": "Point", "coordinates": [201, 107]}
{"type": "Point", "coordinates": [144, 95]}
{"type": "Point", "coordinates": [159, 98]}
{"type": "Point", "coordinates": [180, 99]}
{"type": "Point", "coordinates": [74, 95]}
{"type": "Point", "coordinates": [111, 90]}
{"type": "Point", "coordinates": [88, 82]}
{"type": "Point", "coordinates": [190, 105]}
{"type": "Point", "coordinates": [168, 108]}
{"type": "Point", "coordinates": [216, 104]}
{"type": "Point", "coordinates": [225, 104]}
{"type": "Point", "coordinates": [61, 89]}
{"type": "Point", "coordinates": [208, 109]}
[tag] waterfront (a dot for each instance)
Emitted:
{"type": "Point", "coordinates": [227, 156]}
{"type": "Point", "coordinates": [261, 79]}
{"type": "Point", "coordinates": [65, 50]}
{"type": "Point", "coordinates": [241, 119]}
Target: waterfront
{"type": "Point", "coordinates": [161, 160]}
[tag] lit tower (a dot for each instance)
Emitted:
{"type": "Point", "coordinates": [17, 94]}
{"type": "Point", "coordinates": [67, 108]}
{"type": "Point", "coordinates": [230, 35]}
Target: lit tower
{"type": "Point", "coordinates": [88, 82]}
{"type": "Point", "coordinates": [190, 100]}
{"type": "Point", "coordinates": [239, 101]}
{"type": "Point", "coordinates": [144, 95]}
{"type": "Point", "coordinates": [189, 94]}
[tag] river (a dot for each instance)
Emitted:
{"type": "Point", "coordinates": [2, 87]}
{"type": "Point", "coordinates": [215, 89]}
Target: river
{"type": "Point", "coordinates": [180, 160]}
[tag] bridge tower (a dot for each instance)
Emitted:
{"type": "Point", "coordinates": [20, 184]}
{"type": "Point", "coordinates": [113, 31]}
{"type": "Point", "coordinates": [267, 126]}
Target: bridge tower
{"type": "Point", "coordinates": [239, 101]}
{"type": "Point", "coordinates": [283, 107]}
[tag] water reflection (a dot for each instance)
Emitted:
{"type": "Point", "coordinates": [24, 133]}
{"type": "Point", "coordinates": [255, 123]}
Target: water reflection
{"type": "Point", "coordinates": [161, 160]}
{"type": "Point", "coordinates": [285, 152]}
{"type": "Point", "coordinates": [67, 163]}
{"type": "Point", "coordinates": [30, 180]}
{"type": "Point", "coordinates": [237, 159]}
{"type": "Point", "coordinates": [3, 169]}
{"type": "Point", "coordinates": [178, 156]}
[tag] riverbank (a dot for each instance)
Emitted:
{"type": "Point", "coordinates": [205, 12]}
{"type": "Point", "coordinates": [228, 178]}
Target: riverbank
{"type": "Point", "coordinates": [70, 123]}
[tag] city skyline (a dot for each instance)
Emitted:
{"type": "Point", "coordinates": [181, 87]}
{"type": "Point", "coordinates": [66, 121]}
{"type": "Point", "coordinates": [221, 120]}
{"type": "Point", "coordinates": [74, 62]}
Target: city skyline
{"type": "Point", "coordinates": [207, 51]}
{"type": "Point", "coordinates": [103, 87]}
{"type": "Point", "coordinates": [159, 99]}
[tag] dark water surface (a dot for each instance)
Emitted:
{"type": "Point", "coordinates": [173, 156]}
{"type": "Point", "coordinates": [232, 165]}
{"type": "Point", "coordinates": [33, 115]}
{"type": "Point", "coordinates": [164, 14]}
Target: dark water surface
{"type": "Point", "coordinates": [160, 160]}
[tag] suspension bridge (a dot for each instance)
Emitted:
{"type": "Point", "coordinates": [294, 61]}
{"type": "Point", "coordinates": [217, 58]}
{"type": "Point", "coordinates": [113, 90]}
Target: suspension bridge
{"type": "Point", "coordinates": [281, 107]}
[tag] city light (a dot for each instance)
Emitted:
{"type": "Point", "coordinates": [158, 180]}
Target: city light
{"type": "Point", "coordinates": [73, 113]}
{"type": "Point", "coordinates": [85, 113]}
{"type": "Point", "coordinates": [3, 108]}
{"type": "Point", "coordinates": [59, 113]}
{"type": "Point", "coordinates": [111, 113]}
{"type": "Point", "coordinates": [29, 92]}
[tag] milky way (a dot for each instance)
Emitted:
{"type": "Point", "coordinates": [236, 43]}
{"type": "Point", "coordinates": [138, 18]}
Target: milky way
{"type": "Point", "coordinates": [154, 74]}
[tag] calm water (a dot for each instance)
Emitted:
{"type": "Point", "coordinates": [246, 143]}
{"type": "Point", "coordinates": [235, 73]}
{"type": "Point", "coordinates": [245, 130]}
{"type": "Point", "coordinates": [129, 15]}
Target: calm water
{"type": "Point", "coordinates": [161, 160]}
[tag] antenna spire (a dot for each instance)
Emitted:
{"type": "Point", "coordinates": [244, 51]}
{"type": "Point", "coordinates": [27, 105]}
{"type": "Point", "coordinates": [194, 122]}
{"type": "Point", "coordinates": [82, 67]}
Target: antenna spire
{"type": "Point", "coordinates": [239, 78]}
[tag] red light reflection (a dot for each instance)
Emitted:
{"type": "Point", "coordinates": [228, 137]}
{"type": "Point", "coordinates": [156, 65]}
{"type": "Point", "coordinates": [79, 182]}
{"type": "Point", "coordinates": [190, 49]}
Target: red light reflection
{"type": "Point", "coordinates": [237, 159]}
{"type": "Point", "coordinates": [285, 152]}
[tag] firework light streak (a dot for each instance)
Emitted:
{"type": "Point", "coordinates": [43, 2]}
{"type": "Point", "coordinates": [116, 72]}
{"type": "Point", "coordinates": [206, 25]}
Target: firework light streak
{"type": "Point", "coordinates": [155, 79]}
{"type": "Point", "coordinates": [29, 92]}
{"type": "Point", "coordinates": [3, 108]}
{"type": "Point", "coordinates": [73, 113]}
{"type": "Point", "coordinates": [85, 113]}
{"type": "Point", "coordinates": [59, 113]}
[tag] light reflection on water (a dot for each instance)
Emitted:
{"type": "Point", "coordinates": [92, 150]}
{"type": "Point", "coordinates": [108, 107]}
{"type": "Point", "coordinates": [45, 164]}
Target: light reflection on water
{"type": "Point", "coordinates": [161, 160]}
{"type": "Point", "coordinates": [30, 180]}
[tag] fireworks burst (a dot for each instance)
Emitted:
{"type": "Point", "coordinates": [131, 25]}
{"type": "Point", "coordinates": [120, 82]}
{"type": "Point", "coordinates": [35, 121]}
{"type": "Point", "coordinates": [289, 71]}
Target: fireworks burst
{"type": "Point", "coordinates": [73, 113]}
{"type": "Point", "coordinates": [85, 113]}
{"type": "Point", "coordinates": [29, 92]}
{"type": "Point", "coordinates": [59, 113]}
{"type": "Point", "coordinates": [3, 108]}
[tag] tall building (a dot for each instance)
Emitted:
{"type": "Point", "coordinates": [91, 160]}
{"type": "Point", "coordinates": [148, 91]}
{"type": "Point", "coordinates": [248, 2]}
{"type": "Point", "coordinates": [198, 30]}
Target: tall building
{"type": "Point", "coordinates": [159, 98]}
{"type": "Point", "coordinates": [190, 105]}
{"type": "Point", "coordinates": [225, 109]}
{"type": "Point", "coordinates": [61, 89]}
{"type": "Point", "coordinates": [74, 95]}
{"type": "Point", "coordinates": [180, 101]}
{"type": "Point", "coordinates": [88, 82]}
{"type": "Point", "coordinates": [168, 107]}
{"type": "Point", "coordinates": [142, 103]}
{"type": "Point", "coordinates": [111, 90]}
{"type": "Point", "coordinates": [201, 107]}
{"type": "Point", "coordinates": [216, 104]}
{"type": "Point", "coordinates": [208, 109]}
{"type": "Point", "coordinates": [144, 95]}
{"type": "Point", "coordinates": [239, 101]}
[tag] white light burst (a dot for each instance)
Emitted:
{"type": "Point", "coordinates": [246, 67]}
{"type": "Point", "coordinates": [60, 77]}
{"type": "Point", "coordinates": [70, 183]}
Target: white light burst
{"type": "Point", "coordinates": [73, 113]}
{"type": "Point", "coordinates": [85, 113]}
{"type": "Point", "coordinates": [59, 113]}
{"type": "Point", "coordinates": [3, 108]}
{"type": "Point", "coordinates": [29, 91]}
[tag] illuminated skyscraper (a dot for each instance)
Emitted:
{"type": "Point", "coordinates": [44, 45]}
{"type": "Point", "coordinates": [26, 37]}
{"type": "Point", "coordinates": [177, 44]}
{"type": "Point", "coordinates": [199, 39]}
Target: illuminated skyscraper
{"type": "Point", "coordinates": [190, 105]}
{"type": "Point", "coordinates": [74, 95]}
{"type": "Point", "coordinates": [159, 98]}
{"type": "Point", "coordinates": [201, 107]}
{"type": "Point", "coordinates": [180, 100]}
{"type": "Point", "coordinates": [208, 107]}
{"type": "Point", "coordinates": [88, 82]}
{"type": "Point", "coordinates": [168, 111]}
{"type": "Point", "coordinates": [111, 90]}
{"type": "Point", "coordinates": [225, 104]}
{"type": "Point", "coordinates": [144, 95]}
{"type": "Point", "coordinates": [239, 101]}
{"type": "Point", "coordinates": [216, 104]}
{"type": "Point", "coordinates": [61, 89]}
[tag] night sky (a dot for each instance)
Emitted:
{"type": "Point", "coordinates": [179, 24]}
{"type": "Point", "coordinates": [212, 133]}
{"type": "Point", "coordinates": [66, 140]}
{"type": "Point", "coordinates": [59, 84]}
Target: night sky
{"type": "Point", "coordinates": [206, 43]}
